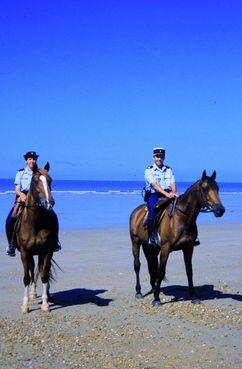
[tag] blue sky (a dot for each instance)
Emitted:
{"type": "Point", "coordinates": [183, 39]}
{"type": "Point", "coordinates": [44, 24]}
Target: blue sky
{"type": "Point", "coordinates": [93, 86]}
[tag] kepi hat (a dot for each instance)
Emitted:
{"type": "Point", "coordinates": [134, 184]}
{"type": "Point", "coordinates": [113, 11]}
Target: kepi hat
{"type": "Point", "coordinates": [159, 151]}
{"type": "Point", "coordinates": [31, 154]}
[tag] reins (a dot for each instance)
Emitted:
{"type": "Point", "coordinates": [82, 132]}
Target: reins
{"type": "Point", "coordinates": [17, 223]}
{"type": "Point", "coordinates": [204, 207]}
{"type": "Point", "coordinates": [22, 205]}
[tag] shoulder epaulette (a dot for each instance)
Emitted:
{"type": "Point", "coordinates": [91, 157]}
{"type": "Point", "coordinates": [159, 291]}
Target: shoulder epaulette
{"type": "Point", "coordinates": [20, 170]}
{"type": "Point", "coordinates": [150, 167]}
{"type": "Point", "coordinates": [167, 167]}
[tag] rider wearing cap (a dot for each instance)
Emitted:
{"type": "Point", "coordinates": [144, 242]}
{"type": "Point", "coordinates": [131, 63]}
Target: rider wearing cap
{"type": "Point", "coordinates": [24, 176]}
{"type": "Point", "coordinates": [160, 183]}
{"type": "Point", "coordinates": [22, 186]}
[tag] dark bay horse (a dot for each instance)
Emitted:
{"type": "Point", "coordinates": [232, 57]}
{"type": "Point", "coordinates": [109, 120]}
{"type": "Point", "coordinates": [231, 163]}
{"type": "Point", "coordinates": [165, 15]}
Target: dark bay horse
{"type": "Point", "coordinates": [37, 234]}
{"type": "Point", "coordinates": [177, 232]}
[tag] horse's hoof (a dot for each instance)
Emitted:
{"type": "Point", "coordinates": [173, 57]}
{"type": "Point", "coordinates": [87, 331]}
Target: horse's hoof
{"type": "Point", "coordinates": [45, 308]}
{"type": "Point", "coordinates": [138, 296]}
{"type": "Point", "coordinates": [50, 298]}
{"type": "Point", "coordinates": [33, 296]}
{"type": "Point", "coordinates": [156, 303]}
{"type": "Point", "coordinates": [24, 309]}
{"type": "Point", "coordinates": [196, 301]}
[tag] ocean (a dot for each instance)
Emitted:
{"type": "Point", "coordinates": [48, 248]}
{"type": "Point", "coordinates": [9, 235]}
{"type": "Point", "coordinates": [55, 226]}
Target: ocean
{"type": "Point", "coordinates": [93, 204]}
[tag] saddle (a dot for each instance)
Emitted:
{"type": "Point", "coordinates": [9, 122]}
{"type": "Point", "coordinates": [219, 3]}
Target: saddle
{"type": "Point", "coordinates": [14, 226]}
{"type": "Point", "coordinates": [164, 203]}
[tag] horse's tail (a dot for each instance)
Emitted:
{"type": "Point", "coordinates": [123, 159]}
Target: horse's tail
{"type": "Point", "coordinates": [53, 271]}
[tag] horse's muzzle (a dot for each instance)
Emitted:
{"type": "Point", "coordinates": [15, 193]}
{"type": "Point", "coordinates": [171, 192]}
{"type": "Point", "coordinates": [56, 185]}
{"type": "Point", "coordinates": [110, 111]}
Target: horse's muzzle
{"type": "Point", "coordinates": [48, 205]}
{"type": "Point", "coordinates": [218, 210]}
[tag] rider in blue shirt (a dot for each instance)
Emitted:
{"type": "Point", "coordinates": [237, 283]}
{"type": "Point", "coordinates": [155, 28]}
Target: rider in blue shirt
{"type": "Point", "coordinates": [160, 183]}
{"type": "Point", "coordinates": [22, 185]}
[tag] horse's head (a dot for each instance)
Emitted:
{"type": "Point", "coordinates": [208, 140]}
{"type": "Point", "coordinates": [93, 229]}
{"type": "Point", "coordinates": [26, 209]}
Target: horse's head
{"type": "Point", "coordinates": [209, 190]}
{"type": "Point", "coordinates": [41, 187]}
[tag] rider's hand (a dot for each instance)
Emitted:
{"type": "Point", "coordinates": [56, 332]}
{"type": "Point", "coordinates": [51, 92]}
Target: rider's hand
{"type": "Point", "coordinates": [171, 195]}
{"type": "Point", "coordinates": [22, 197]}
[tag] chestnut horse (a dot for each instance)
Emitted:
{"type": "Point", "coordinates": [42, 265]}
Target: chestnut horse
{"type": "Point", "coordinates": [177, 232]}
{"type": "Point", "coordinates": [37, 234]}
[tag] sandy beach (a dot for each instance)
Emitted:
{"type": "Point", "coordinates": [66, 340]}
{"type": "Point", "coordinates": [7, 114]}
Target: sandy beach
{"type": "Point", "coordinates": [96, 322]}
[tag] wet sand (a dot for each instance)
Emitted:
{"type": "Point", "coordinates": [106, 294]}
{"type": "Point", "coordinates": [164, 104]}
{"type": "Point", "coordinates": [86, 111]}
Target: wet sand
{"type": "Point", "coordinates": [96, 322]}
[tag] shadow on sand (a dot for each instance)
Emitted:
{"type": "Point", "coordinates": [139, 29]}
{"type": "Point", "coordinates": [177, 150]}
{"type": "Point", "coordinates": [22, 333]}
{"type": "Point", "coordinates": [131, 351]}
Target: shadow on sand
{"type": "Point", "coordinates": [77, 296]}
{"type": "Point", "coordinates": [205, 292]}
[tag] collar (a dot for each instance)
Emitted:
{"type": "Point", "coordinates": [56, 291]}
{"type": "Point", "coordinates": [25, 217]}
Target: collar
{"type": "Point", "coordinates": [162, 169]}
{"type": "Point", "coordinates": [28, 170]}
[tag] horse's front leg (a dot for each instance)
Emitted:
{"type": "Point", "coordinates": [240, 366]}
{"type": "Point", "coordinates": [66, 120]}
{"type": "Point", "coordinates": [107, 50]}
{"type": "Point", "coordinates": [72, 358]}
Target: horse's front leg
{"type": "Point", "coordinates": [26, 280]}
{"type": "Point", "coordinates": [187, 253]}
{"type": "Point", "coordinates": [136, 253]}
{"type": "Point", "coordinates": [45, 273]}
{"type": "Point", "coordinates": [33, 293]}
{"type": "Point", "coordinates": [161, 274]}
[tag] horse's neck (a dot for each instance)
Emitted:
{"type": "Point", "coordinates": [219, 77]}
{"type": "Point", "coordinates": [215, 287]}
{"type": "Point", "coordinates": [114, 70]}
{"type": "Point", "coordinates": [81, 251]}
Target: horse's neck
{"type": "Point", "coordinates": [30, 200]}
{"type": "Point", "coordinates": [189, 202]}
{"type": "Point", "coordinates": [30, 211]}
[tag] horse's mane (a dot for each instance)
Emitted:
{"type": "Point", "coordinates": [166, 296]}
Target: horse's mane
{"type": "Point", "coordinates": [194, 184]}
{"type": "Point", "coordinates": [44, 173]}
{"type": "Point", "coordinates": [189, 189]}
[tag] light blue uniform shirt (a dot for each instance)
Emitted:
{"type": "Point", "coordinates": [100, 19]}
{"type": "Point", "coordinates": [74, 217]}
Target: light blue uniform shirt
{"type": "Point", "coordinates": [164, 177]}
{"type": "Point", "coordinates": [23, 179]}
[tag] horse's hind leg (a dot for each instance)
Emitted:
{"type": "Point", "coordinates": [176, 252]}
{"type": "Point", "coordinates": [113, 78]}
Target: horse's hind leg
{"type": "Point", "coordinates": [152, 261]}
{"type": "Point", "coordinates": [136, 253]}
{"type": "Point", "coordinates": [26, 280]}
{"type": "Point", "coordinates": [187, 253]}
{"type": "Point", "coordinates": [161, 274]}
{"type": "Point", "coordinates": [33, 293]}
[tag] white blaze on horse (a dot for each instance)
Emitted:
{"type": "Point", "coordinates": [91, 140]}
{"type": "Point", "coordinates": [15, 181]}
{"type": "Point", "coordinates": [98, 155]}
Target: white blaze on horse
{"type": "Point", "coordinates": [37, 234]}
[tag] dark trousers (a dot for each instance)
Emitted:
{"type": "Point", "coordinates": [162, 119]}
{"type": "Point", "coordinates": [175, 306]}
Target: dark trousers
{"type": "Point", "coordinates": [151, 202]}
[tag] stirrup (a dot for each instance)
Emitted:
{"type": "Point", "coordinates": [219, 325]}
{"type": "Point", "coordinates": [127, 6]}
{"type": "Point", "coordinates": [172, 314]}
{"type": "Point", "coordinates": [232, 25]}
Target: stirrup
{"type": "Point", "coordinates": [10, 250]}
{"type": "Point", "coordinates": [154, 239]}
{"type": "Point", "coordinates": [197, 242]}
{"type": "Point", "coordinates": [57, 247]}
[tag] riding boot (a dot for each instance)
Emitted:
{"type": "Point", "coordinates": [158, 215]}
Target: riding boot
{"type": "Point", "coordinates": [154, 239]}
{"type": "Point", "coordinates": [10, 250]}
{"type": "Point", "coordinates": [10, 222]}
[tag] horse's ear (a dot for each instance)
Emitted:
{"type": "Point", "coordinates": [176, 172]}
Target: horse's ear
{"type": "Point", "coordinates": [47, 166]}
{"type": "Point", "coordinates": [213, 176]}
{"type": "Point", "coordinates": [204, 175]}
{"type": "Point", "coordinates": [35, 168]}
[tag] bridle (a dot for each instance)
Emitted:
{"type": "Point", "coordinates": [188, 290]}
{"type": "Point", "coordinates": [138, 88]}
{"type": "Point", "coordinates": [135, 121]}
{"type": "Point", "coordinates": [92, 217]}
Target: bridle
{"type": "Point", "coordinates": [205, 207]}
{"type": "Point", "coordinates": [40, 202]}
